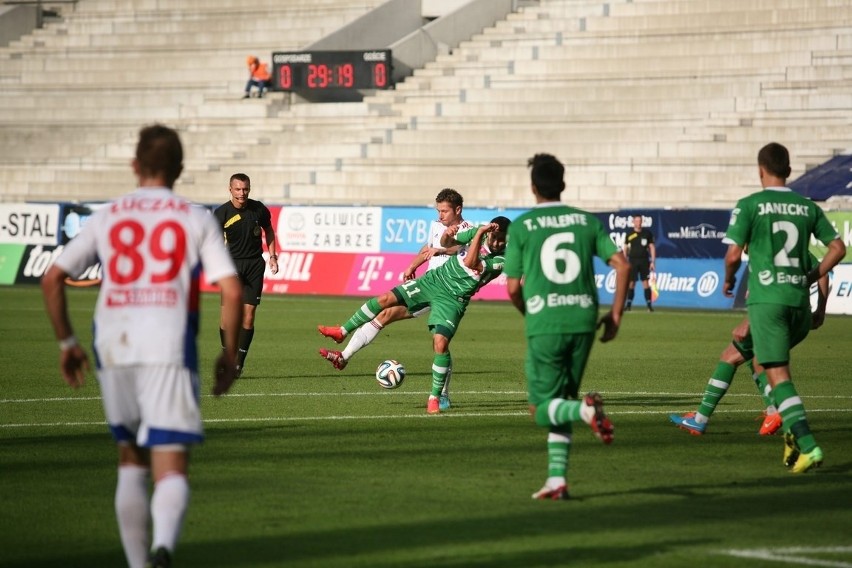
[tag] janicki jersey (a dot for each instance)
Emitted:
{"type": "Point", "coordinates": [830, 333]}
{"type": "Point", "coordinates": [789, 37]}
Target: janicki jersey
{"type": "Point", "coordinates": [151, 245]}
{"type": "Point", "coordinates": [776, 224]}
{"type": "Point", "coordinates": [552, 247]}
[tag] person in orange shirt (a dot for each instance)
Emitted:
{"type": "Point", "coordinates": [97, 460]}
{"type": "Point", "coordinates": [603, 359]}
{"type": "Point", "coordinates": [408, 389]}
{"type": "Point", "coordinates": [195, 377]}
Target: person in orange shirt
{"type": "Point", "coordinates": [258, 76]}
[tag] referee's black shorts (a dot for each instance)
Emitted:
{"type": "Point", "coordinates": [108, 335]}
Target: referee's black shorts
{"type": "Point", "coordinates": [250, 271]}
{"type": "Point", "coordinates": [641, 268]}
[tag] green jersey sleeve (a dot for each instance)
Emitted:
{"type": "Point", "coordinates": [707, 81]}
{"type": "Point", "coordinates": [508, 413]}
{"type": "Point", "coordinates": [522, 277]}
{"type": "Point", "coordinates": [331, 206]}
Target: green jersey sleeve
{"type": "Point", "coordinates": [605, 246]}
{"type": "Point", "coordinates": [514, 267]}
{"type": "Point", "coordinates": [465, 236]}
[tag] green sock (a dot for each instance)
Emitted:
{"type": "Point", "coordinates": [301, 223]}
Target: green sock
{"type": "Point", "coordinates": [764, 389]}
{"type": "Point", "coordinates": [558, 448]}
{"type": "Point", "coordinates": [793, 415]}
{"type": "Point", "coordinates": [557, 412]}
{"type": "Point", "coordinates": [716, 388]}
{"type": "Point", "coordinates": [365, 313]}
{"type": "Point", "coordinates": [440, 365]}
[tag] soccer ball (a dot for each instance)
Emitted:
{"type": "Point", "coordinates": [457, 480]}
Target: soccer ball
{"type": "Point", "coordinates": [390, 374]}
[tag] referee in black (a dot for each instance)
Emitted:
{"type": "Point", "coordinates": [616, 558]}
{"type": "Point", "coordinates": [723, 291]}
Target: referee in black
{"type": "Point", "coordinates": [641, 253]}
{"type": "Point", "coordinates": [242, 220]}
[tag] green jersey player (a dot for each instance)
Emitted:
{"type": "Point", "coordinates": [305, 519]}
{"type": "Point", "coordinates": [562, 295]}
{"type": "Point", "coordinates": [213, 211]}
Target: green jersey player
{"type": "Point", "coordinates": [447, 290]}
{"type": "Point", "coordinates": [448, 205]}
{"type": "Point", "coordinates": [738, 352]}
{"type": "Point", "coordinates": [776, 225]}
{"type": "Point", "coordinates": [551, 280]}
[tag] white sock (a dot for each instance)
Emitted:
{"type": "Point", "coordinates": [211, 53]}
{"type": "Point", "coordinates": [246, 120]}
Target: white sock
{"type": "Point", "coordinates": [701, 419]}
{"type": "Point", "coordinates": [587, 411]}
{"type": "Point", "coordinates": [132, 512]}
{"type": "Point", "coordinates": [168, 506]}
{"type": "Point", "coordinates": [446, 390]}
{"type": "Point", "coordinates": [362, 337]}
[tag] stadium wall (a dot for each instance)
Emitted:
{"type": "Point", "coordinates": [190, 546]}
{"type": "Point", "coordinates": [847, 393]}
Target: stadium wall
{"type": "Point", "coordinates": [17, 21]}
{"type": "Point", "coordinates": [362, 251]}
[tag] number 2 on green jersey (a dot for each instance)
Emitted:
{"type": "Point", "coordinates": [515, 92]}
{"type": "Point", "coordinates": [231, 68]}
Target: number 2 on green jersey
{"type": "Point", "coordinates": [782, 257]}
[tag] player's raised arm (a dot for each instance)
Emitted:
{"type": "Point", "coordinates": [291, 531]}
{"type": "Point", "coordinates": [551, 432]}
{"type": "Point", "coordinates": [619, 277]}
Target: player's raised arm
{"type": "Point", "coordinates": [448, 239]}
{"type": "Point", "coordinates": [472, 260]}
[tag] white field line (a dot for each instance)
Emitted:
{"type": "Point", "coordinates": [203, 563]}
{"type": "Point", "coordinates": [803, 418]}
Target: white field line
{"type": "Point", "coordinates": [420, 415]}
{"type": "Point", "coordinates": [415, 393]}
{"type": "Point", "coordinates": [296, 419]}
{"type": "Point", "coordinates": [795, 555]}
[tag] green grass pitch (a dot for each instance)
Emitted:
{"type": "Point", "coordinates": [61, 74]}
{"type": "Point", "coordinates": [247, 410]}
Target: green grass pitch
{"type": "Point", "coordinates": [308, 466]}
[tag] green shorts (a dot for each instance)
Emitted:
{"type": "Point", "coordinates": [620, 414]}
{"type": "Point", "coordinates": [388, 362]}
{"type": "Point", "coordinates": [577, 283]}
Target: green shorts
{"type": "Point", "coordinates": [446, 311]}
{"type": "Point", "coordinates": [776, 329]}
{"type": "Point", "coordinates": [555, 365]}
{"type": "Point", "coordinates": [745, 347]}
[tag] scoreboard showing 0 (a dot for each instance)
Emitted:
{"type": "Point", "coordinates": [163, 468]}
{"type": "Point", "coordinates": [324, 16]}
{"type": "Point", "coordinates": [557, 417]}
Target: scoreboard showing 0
{"type": "Point", "coordinates": [316, 71]}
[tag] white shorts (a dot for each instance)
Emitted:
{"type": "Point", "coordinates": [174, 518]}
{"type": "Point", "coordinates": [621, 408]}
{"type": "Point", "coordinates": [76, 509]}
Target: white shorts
{"type": "Point", "coordinates": [152, 405]}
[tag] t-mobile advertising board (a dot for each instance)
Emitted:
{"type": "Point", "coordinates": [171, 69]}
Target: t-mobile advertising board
{"type": "Point", "coordinates": [363, 251]}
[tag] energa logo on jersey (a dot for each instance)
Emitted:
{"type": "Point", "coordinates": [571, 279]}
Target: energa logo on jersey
{"type": "Point", "coordinates": [554, 300]}
{"type": "Point", "coordinates": [535, 304]}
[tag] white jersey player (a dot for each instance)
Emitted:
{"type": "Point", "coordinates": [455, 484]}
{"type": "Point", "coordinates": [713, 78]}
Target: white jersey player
{"type": "Point", "coordinates": [152, 246]}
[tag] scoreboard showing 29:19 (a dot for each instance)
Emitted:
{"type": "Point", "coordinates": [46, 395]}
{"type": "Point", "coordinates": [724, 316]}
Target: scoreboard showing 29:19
{"type": "Point", "coordinates": [331, 70]}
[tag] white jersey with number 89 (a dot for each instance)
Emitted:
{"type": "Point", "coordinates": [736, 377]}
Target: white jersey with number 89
{"type": "Point", "coordinates": [152, 245]}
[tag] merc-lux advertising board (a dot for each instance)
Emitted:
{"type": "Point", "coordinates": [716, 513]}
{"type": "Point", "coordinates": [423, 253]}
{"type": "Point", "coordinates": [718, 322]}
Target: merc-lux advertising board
{"type": "Point", "coordinates": [363, 251]}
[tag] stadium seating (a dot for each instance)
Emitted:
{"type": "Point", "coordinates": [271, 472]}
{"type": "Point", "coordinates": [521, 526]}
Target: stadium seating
{"type": "Point", "coordinates": [650, 103]}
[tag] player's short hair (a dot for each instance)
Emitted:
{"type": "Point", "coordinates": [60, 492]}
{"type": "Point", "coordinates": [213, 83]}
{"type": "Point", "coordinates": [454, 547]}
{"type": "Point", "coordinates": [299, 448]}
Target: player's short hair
{"type": "Point", "coordinates": [547, 175]}
{"type": "Point", "coordinates": [451, 196]}
{"type": "Point", "coordinates": [502, 222]}
{"type": "Point", "coordinates": [775, 159]}
{"type": "Point", "coordinates": [159, 153]}
{"type": "Point", "coordinates": [242, 177]}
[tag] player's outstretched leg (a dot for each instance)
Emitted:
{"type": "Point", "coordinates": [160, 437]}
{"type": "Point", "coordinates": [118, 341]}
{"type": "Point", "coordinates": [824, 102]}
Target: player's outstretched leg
{"type": "Point", "coordinates": [365, 313]}
{"type": "Point", "coordinates": [362, 337]}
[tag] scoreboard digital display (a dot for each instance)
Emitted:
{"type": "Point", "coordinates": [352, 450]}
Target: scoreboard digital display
{"type": "Point", "coordinates": [317, 71]}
